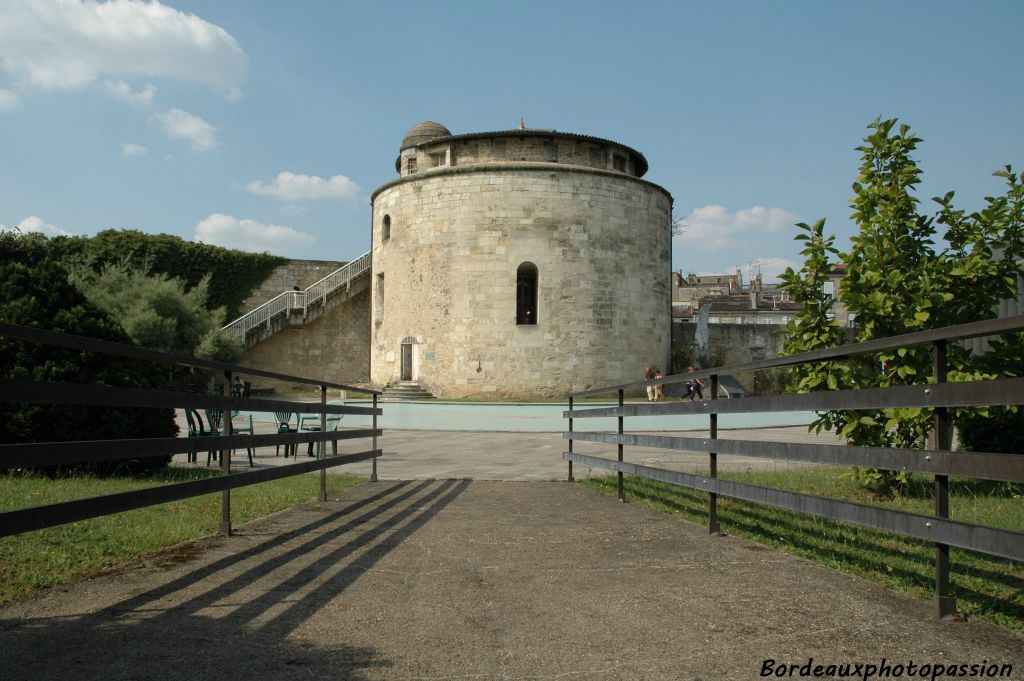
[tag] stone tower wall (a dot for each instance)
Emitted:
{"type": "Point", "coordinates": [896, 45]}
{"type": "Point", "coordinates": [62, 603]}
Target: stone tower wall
{"type": "Point", "coordinates": [446, 278]}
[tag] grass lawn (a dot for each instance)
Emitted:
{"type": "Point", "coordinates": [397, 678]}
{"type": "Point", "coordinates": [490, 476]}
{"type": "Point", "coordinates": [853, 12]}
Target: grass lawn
{"type": "Point", "coordinates": [986, 587]}
{"type": "Point", "coordinates": [57, 555]}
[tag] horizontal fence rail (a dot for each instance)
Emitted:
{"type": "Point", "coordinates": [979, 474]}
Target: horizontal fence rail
{"type": "Point", "coordinates": [41, 517]}
{"type": "Point", "coordinates": [72, 342]}
{"type": "Point", "coordinates": [990, 327]}
{"type": "Point", "coordinates": [40, 454]}
{"type": "Point", "coordinates": [975, 393]}
{"type": "Point", "coordinates": [938, 459]}
{"type": "Point", "coordinates": [41, 392]}
{"type": "Point", "coordinates": [1004, 543]}
{"type": "Point", "coordinates": [983, 465]}
{"type": "Point", "coordinates": [64, 453]}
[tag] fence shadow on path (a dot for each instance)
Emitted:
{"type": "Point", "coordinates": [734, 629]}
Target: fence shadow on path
{"type": "Point", "coordinates": [230, 617]}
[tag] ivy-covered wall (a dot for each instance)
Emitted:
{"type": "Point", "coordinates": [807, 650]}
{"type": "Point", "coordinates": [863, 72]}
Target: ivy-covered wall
{"type": "Point", "coordinates": [234, 274]}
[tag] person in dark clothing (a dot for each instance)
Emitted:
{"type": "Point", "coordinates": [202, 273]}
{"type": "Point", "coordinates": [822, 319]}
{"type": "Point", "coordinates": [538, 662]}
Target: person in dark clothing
{"type": "Point", "coordinates": [693, 387]}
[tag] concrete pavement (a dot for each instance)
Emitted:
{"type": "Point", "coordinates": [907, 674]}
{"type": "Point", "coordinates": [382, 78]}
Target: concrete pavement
{"type": "Point", "coordinates": [457, 579]}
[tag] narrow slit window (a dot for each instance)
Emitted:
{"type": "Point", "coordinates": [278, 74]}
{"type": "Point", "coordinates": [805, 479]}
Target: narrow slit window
{"type": "Point", "coordinates": [386, 227]}
{"type": "Point", "coordinates": [379, 299]}
{"type": "Point", "coordinates": [526, 294]}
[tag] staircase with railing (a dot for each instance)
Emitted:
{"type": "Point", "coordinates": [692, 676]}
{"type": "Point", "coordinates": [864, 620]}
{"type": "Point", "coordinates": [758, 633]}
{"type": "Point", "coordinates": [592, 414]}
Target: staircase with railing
{"type": "Point", "coordinates": [295, 308]}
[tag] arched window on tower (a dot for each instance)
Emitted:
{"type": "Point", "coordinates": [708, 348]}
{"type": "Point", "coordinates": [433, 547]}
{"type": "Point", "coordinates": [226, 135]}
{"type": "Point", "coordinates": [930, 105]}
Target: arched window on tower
{"type": "Point", "coordinates": [386, 225]}
{"type": "Point", "coordinates": [526, 294]}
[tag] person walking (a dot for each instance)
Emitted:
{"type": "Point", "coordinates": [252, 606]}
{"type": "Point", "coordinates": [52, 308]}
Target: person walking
{"type": "Point", "coordinates": [693, 387]}
{"type": "Point", "coordinates": [649, 375]}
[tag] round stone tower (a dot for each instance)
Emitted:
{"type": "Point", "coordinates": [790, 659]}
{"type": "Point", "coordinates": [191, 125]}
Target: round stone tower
{"type": "Point", "coordinates": [518, 263]}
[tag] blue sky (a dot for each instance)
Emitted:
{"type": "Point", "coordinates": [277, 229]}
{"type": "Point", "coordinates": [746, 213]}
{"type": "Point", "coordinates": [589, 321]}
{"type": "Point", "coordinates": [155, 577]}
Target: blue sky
{"type": "Point", "coordinates": [267, 125]}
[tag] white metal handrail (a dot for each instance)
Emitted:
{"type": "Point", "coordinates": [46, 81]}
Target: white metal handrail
{"type": "Point", "coordinates": [294, 301]}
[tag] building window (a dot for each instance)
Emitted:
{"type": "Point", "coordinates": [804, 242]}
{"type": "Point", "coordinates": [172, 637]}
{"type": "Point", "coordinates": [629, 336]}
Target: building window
{"type": "Point", "coordinates": [526, 294]}
{"type": "Point", "coordinates": [379, 300]}
{"type": "Point", "coordinates": [386, 227]}
{"type": "Point", "coordinates": [437, 160]}
{"type": "Point", "coordinates": [410, 167]}
{"type": "Point", "coordinates": [619, 163]}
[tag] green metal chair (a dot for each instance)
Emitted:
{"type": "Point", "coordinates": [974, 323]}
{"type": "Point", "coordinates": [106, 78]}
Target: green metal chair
{"type": "Point", "coordinates": [196, 429]}
{"type": "Point", "coordinates": [238, 430]}
{"type": "Point", "coordinates": [311, 423]}
{"type": "Point", "coordinates": [284, 426]}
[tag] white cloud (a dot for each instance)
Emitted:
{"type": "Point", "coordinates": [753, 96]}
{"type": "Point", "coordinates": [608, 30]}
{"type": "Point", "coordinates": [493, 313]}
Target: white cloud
{"type": "Point", "coordinates": [124, 92]}
{"type": "Point", "coordinates": [249, 235]}
{"type": "Point", "coordinates": [295, 187]}
{"type": "Point", "coordinates": [183, 125]}
{"type": "Point", "coordinates": [714, 228]}
{"type": "Point", "coordinates": [129, 149]}
{"type": "Point", "coordinates": [36, 224]}
{"type": "Point", "coordinates": [9, 101]}
{"type": "Point", "coordinates": [70, 44]}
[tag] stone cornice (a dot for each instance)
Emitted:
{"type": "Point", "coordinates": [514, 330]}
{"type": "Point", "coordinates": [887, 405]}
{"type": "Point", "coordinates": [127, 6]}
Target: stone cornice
{"type": "Point", "coordinates": [515, 166]}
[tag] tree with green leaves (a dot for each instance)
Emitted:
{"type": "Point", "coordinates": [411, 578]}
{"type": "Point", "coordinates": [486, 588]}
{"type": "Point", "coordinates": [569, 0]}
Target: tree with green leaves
{"type": "Point", "coordinates": [814, 327]}
{"type": "Point", "coordinates": [897, 282]}
{"type": "Point", "coordinates": [35, 292]}
{"type": "Point", "coordinates": [158, 311]}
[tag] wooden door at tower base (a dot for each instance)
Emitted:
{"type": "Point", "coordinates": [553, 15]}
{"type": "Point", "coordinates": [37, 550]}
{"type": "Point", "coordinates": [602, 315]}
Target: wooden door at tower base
{"type": "Point", "coordinates": [406, 361]}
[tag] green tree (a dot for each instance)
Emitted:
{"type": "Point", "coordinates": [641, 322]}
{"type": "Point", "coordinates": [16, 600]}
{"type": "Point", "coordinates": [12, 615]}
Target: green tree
{"type": "Point", "coordinates": [813, 327]}
{"type": "Point", "coordinates": [897, 282]}
{"type": "Point", "coordinates": [35, 292]}
{"type": "Point", "coordinates": [158, 312]}
{"type": "Point", "coordinates": [989, 249]}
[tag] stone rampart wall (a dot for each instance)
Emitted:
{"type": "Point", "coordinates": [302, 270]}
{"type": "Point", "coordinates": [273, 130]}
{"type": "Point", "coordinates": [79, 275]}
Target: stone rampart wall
{"type": "Point", "coordinates": [334, 347]}
{"type": "Point", "coordinates": [283, 278]}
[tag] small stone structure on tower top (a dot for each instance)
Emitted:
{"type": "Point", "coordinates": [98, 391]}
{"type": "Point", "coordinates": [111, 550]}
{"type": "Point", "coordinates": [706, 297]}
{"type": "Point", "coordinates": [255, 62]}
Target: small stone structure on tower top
{"type": "Point", "coordinates": [518, 263]}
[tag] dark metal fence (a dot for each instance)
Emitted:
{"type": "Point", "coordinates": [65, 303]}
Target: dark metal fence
{"type": "Point", "coordinates": [936, 460]}
{"type": "Point", "coordinates": [51, 453]}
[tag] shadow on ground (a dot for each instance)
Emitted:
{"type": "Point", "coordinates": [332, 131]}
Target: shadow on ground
{"type": "Point", "coordinates": [440, 579]}
{"type": "Point", "coordinates": [231, 617]}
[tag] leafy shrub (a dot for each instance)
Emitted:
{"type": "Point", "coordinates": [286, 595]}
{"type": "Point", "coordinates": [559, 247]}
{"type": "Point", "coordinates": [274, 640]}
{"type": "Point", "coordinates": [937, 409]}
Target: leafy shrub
{"type": "Point", "coordinates": [1001, 430]}
{"type": "Point", "coordinates": [157, 312]}
{"type": "Point", "coordinates": [35, 292]}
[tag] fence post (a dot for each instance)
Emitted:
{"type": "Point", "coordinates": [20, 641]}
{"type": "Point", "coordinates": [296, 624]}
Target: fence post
{"type": "Point", "coordinates": [320, 446]}
{"type": "Point", "coordinates": [713, 527]}
{"type": "Point", "coordinates": [225, 464]}
{"type": "Point", "coordinates": [570, 439]}
{"type": "Point", "coordinates": [621, 490]}
{"type": "Point", "coordinates": [373, 472]}
{"type": "Point", "coordinates": [945, 602]}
